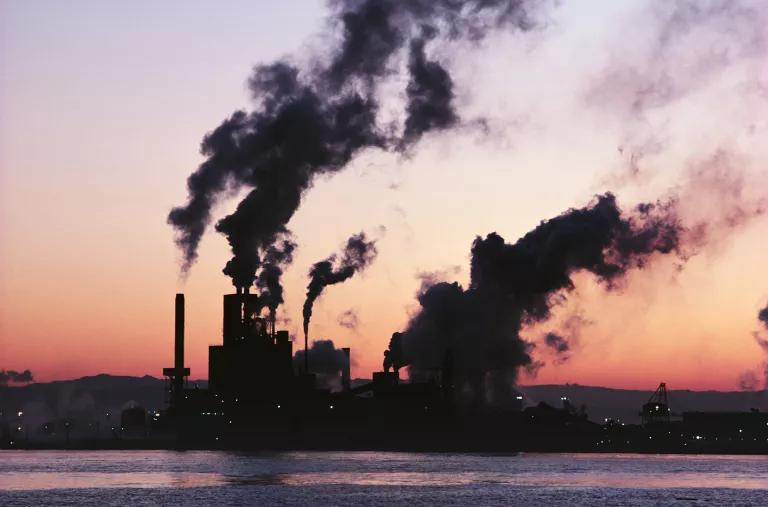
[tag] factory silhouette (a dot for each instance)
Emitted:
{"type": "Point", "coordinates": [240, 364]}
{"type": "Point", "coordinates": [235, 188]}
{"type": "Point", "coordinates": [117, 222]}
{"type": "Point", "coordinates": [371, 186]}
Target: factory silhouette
{"type": "Point", "coordinates": [261, 395]}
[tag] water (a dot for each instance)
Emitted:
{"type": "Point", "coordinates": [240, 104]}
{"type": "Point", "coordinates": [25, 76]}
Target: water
{"type": "Point", "coordinates": [85, 478]}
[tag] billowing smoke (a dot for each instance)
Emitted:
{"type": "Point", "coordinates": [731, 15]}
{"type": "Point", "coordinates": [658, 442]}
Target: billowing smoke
{"type": "Point", "coordinates": [349, 320]}
{"type": "Point", "coordinates": [15, 377]}
{"type": "Point", "coordinates": [275, 258]}
{"type": "Point", "coordinates": [393, 356]}
{"type": "Point", "coordinates": [327, 361]}
{"type": "Point", "coordinates": [358, 254]}
{"type": "Point", "coordinates": [312, 121]}
{"type": "Point", "coordinates": [513, 285]}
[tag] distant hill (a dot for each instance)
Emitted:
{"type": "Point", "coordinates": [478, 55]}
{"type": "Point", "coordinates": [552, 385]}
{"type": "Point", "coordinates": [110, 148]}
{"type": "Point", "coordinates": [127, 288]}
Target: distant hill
{"type": "Point", "coordinates": [90, 398]}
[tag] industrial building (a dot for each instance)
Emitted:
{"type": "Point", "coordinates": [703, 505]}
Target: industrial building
{"type": "Point", "coordinates": [258, 398]}
{"type": "Point", "coordinates": [253, 382]}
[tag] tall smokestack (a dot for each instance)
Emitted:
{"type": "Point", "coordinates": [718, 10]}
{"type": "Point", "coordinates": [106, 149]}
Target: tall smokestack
{"type": "Point", "coordinates": [345, 374]}
{"type": "Point", "coordinates": [175, 375]}
{"type": "Point", "coordinates": [179, 345]}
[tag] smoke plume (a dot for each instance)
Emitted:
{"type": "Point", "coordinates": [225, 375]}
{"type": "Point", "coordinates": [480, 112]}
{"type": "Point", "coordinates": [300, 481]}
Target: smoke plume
{"type": "Point", "coordinates": [312, 121]}
{"type": "Point", "coordinates": [512, 285]}
{"type": "Point", "coordinates": [327, 361]}
{"type": "Point", "coordinates": [358, 254]}
{"type": "Point", "coordinates": [15, 377]}
{"type": "Point", "coordinates": [275, 258]}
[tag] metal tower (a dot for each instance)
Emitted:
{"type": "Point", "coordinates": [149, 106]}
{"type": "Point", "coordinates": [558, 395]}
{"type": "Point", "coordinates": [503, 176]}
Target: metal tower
{"type": "Point", "coordinates": [656, 411]}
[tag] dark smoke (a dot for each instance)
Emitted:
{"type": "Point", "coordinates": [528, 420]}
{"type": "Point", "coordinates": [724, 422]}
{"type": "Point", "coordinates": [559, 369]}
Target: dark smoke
{"type": "Point", "coordinates": [762, 316]}
{"type": "Point", "coordinates": [275, 258]}
{"type": "Point", "coordinates": [393, 356]}
{"type": "Point", "coordinates": [358, 254]}
{"type": "Point", "coordinates": [512, 285]}
{"type": "Point", "coordinates": [557, 343]}
{"type": "Point", "coordinates": [327, 361]}
{"type": "Point", "coordinates": [349, 319]}
{"type": "Point", "coordinates": [430, 94]}
{"type": "Point", "coordinates": [15, 377]}
{"type": "Point", "coordinates": [563, 341]}
{"type": "Point", "coordinates": [324, 357]}
{"type": "Point", "coordinates": [308, 122]}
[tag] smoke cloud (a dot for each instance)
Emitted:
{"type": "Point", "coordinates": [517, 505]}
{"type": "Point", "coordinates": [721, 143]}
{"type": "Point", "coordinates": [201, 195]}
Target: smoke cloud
{"type": "Point", "coordinates": [275, 258]}
{"type": "Point", "coordinates": [563, 341]}
{"type": "Point", "coordinates": [557, 343]}
{"type": "Point", "coordinates": [762, 316]}
{"type": "Point", "coordinates": [513, 285]}
{"type": "Point", "coordinates": [358, 254]}
{"type": "Point", "coordinates": [314, 121]}
{"type": "Point", "coordinates": [327, 362]}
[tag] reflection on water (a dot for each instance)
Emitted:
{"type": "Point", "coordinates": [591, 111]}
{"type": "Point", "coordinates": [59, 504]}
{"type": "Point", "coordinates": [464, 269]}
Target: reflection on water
{"type": "Point", "coordinates": [235, 473]}
{"type": "Point", "coordinates": [23, 481]}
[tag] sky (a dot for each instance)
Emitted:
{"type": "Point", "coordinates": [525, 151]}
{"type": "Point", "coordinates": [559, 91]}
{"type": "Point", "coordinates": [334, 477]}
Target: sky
{"type": "Point", "coordinates": [103, 106]}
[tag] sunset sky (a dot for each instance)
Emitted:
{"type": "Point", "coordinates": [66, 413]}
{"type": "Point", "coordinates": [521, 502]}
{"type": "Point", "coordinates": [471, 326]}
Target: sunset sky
{"type": "Point", "coordinates": [103, 106]}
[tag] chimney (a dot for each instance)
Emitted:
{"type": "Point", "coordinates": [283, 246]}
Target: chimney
{"type": "Point", "coordinates": [345, 374]}
{"type": "Point", "coordinates": [179, 344]}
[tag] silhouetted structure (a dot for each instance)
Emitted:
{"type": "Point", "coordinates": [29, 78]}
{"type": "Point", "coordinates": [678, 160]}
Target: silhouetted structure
{"type": "Point", "coordinates": [252, 363]}
{"type": "Point", "coordinates": [178, 373]}
{"type": "Point", "coordinates": [657, 410]}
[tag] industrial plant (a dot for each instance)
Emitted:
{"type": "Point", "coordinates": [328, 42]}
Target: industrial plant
{"type": "Point", "coordinates": [263, 394]}
{"type": "Point", "coordinates": [260, 396]}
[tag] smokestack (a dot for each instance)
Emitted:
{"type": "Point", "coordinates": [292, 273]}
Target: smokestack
{"type": "Point", "coordinates": [345, 374]}
{"type": "Point", "coordinates": [178, 372]}
{"type": "Point", "coordinates": [179, 344]}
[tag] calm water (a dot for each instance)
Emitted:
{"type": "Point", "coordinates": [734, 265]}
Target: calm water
{"type": "Point", "coordinates": [374, 478]}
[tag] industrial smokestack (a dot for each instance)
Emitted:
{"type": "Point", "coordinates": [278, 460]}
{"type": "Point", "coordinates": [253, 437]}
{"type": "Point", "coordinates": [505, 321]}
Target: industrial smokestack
{"type": "Point", "coordinates": [345, 373]}
{"type": "Point", "coordinates": [177, 374]}
{"type": "Point", "coordinates": [179, 345]}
